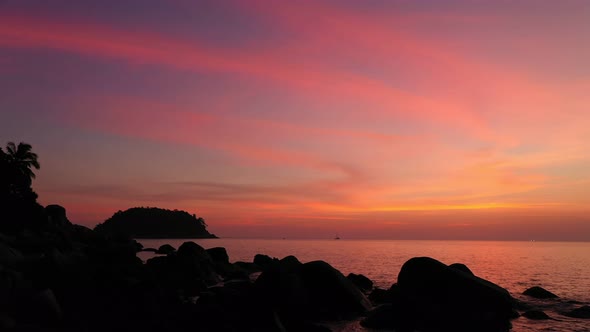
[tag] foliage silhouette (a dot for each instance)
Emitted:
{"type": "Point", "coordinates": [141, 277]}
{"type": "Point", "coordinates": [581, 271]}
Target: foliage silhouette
{"type": "Point", "coordinates": [18, 201]}
{"type": "Point", "coordinates": [22, 158]}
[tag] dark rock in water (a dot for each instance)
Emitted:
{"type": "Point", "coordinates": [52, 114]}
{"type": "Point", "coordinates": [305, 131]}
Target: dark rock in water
{"type": "Point", "coordinates": [522, 306]}
{"type": "Point", "coordinates": [218, 255]}
{"type": "Point", "coordinates": [313, 290]}
{"type": "Point", "coordinates": [224, 268]}
{"type": "Point", "coordinates": [363, 283]}
{"type": "Point", "coordinates": [188, 271]}
{"type": "Point", "coordinates": [195, 260]}
{"type": "Point", "coordinates": [331, 294]}
{"type": "Point", "coordinates": [581, 312]}
{"type": "Point", "coordinates": [248, 267]}
{"type": "Point", "coordinates": [263, 261]}
{"type": "Point", "coordinates": [285, 291]}
{"type": "Point", "coordinates": [290, 263]}
{"type": "Point", "coordinates": [191, 249]}
{"type": "Point", "coordinates": [380, 295]}
{"type": "Point", "coordinates": [382, 317]}
{"type": "Point", "coordinates": [461, 267]}
{"type": "Point", "coordinates": [539, 293]}
{"type": "Point", "coordinates": [395, 314]}
{"type": "Point", "coordinates": [165, 249]}
{"type": "Point", "coordinates": [442, 298]}
{"type": "Point", "coordinates": [536, 315]}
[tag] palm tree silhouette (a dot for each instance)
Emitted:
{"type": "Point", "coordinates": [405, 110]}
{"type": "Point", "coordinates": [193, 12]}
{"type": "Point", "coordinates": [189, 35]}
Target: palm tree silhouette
{"type": "Point", "coordinates": [20, 159]}
{"type": "Point", "coordinates": [18, 201]}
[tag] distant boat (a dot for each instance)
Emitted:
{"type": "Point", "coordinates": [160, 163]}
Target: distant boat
{"type": "Point", "coordinates": [337, 237]}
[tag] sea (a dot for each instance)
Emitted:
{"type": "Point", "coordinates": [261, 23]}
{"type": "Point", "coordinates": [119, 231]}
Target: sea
{"type": "Point", "coordinates": [560, 267]}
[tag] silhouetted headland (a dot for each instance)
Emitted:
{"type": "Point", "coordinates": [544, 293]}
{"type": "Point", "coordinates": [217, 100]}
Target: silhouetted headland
{"type": "Point", "coordinates": [155, 223]}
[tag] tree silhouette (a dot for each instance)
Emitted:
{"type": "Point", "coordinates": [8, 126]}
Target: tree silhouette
{"type": "Point", "coordinates": [21, 159]}
{"type": "Point", "coordinates": [18, 201]}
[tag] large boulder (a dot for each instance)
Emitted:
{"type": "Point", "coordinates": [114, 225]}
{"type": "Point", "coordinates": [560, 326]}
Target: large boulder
{"type": "Point", "coordinates": [189, 270]}
{"type": "Point", "coordinates": [192, 250]}
{"type": "Point", "coordinates": [171, 274]}
{"type": "Point", "coordinates": [218, 255]}
{"type": "Point", "coordinates": [263, 261]}
{"type": "Point", "coordinates": [290, 264]}
{"type": "Point", "coordinates": [539, 293]}
{"type": "Point", "coordinates": [313, 290]}
{"type": "Point", "coordinates": [282, 288]}
{"type": "Point", "coordinates": [165, 249]}
{"type": "Point", "coordinates": [363, 283]}
{"type": "Point", "coordinates": [222, 266]}
{"type": "Point", "coordinates": [380, 295]}
{"type": "Point", "coordinates": [445, 298]}
{"type": "Point", "coordinates": [393, 312]}
{"type": "Point", "coordinates": [248, 267]}
{"type": "Point", "coordinates": [461, 267]}
{"type": "Point", "coordinates": [56, 216]}
{"type": "Point", "coordinates": [331, 293]}
{"type": "Point", "coordinates": [84, 236]}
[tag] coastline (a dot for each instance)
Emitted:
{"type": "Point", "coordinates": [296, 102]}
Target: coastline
{"type": "Point", "coordinates": [76, 273]}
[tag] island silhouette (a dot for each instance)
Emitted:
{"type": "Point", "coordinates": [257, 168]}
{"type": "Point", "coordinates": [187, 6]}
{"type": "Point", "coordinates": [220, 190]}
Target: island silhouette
{"type": "Point", "coordinates": [155, 223]}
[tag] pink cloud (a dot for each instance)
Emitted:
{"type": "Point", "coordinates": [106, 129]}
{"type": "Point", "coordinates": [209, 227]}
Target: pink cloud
{"type": "Point", "coordinates": [314, 79]}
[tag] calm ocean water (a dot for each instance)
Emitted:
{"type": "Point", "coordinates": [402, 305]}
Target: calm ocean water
{"type": "Point", "coordinates": [561, 267]}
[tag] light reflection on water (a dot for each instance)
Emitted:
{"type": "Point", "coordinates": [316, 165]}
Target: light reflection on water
{"type": "Point", "coordinates": [561, 267]}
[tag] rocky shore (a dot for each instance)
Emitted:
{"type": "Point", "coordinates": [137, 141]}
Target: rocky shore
{"type": "Point", "coordinates": [59, 276]}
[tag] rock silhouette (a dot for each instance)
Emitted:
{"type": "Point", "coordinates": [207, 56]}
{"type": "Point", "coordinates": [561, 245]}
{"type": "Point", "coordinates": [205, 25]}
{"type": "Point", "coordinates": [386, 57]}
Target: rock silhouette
{"type": "Point", "coordinates": [581, 312]}
{"type": "Point", "coordinates": [539, 293]}
{"type": "Point", "coordinates": [437, 297]}
{"type": "Point", "coordinates": [304, 292]}
{"type": "Point", "coordinates": [535, 315]}
{"type": "Point", "coordinates": [165, 249]}
{"type": "Point", "coordinates": [363, 283]}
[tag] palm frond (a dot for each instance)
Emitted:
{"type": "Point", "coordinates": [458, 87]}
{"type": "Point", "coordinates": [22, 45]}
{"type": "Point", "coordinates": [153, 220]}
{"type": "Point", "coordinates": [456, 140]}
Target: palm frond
{"type": "Point", "coordinates": [35, 163]}
{"type": "Point", "coordinates": [11, 148]}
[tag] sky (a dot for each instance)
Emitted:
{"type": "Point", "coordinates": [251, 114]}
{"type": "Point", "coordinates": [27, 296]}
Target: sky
{"type": "Point", "coordinates": [308, 119]}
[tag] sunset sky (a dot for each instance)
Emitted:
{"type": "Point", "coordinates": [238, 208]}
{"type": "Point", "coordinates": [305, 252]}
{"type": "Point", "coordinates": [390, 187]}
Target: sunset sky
{"type": "Point", "coordinates": [366, 119]}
